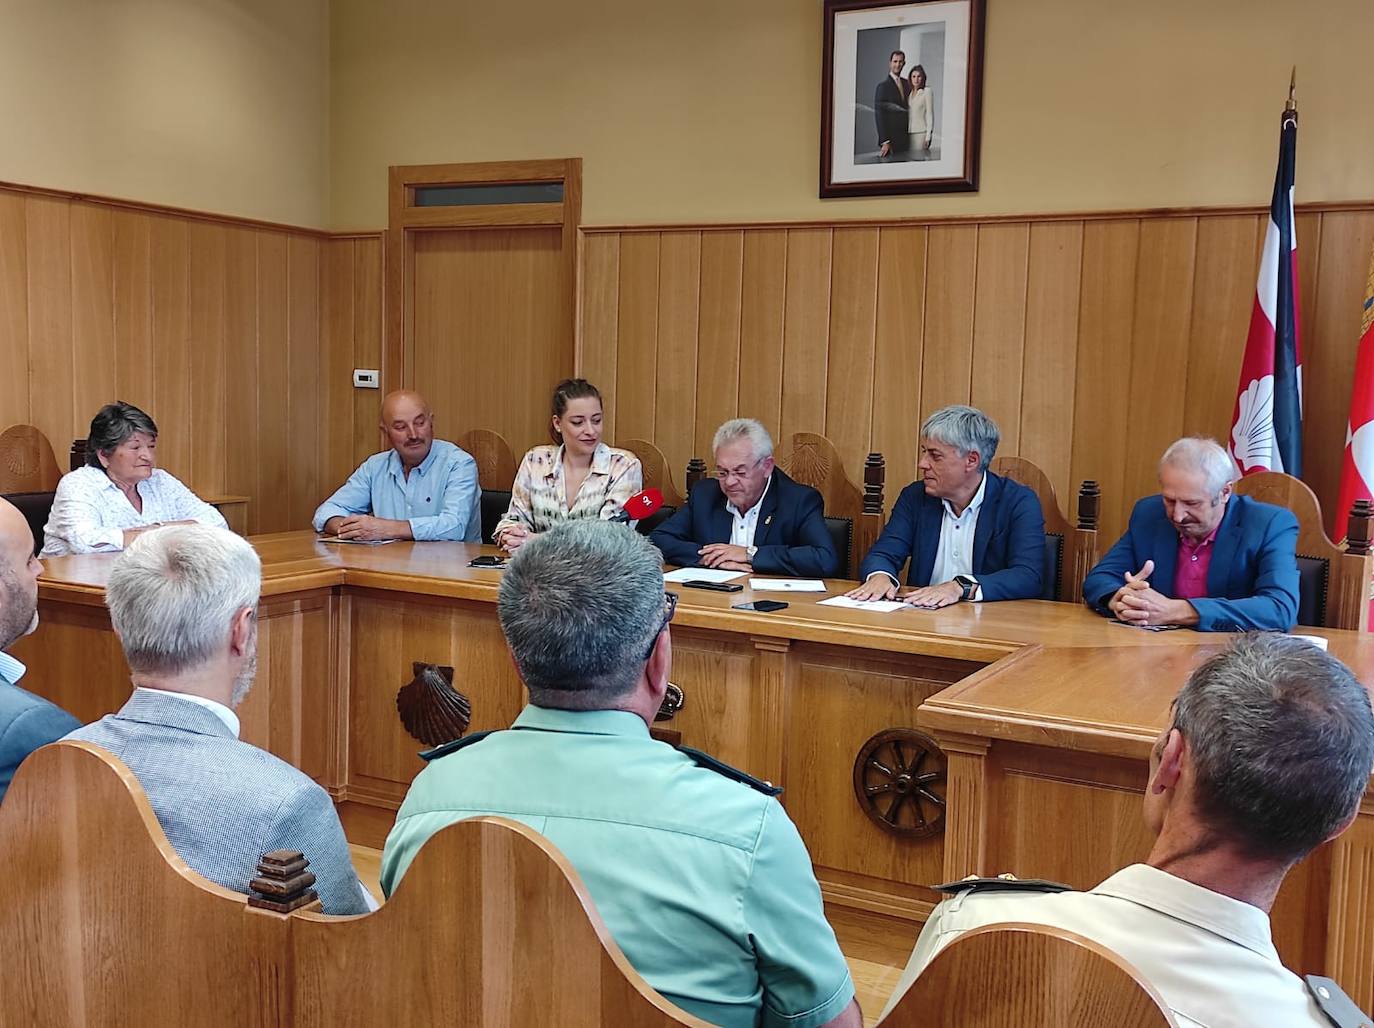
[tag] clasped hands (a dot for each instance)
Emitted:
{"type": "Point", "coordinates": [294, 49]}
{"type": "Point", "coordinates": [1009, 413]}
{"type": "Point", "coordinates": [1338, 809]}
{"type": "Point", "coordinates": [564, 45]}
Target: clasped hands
{"type": "Point", "coordinates": [1136, 603]}
{"type": "Point", "coordinates": [879, 587]}
{"type": "Point", "coordinates": [726, 556]}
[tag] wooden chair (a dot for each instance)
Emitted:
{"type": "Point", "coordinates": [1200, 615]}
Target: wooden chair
{"type": "Point", "coordinates": [656, 476]}
{"type": "Point", "coordinates": [1063, 579]}
{"type": "Point", "coordinates": [490, 926]}
{"type": "Point", "coordinates": [28, 476]}
{"type": "Point", "coordinates": [1334, 583]}
{"type": "Point", "coordinates": [1028, 976]}
{"type": "Point", "coordinates": [495, 474]}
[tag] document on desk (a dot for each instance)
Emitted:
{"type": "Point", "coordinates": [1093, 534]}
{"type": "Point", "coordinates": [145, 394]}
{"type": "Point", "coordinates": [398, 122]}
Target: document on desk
{"type": "Point", "coordinates": [702, 575]}
{"type": "Point", "coordinates": [787, 585]}
{"type": "Point", "coordinates": [880, 606]}
{"type": "Point", "coordinates": [353, 542]}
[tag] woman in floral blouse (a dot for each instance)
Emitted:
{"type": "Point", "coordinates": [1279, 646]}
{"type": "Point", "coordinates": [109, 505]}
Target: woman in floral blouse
{"type": "Point", "coordinates": [580, 478]}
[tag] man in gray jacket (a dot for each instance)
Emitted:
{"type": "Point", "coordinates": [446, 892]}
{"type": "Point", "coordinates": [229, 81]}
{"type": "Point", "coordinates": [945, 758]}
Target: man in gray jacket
{"type": "Point", "coordinates": [183, 601]}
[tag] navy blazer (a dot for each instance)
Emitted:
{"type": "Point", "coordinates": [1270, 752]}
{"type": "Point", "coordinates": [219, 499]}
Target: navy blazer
{"type": "Point", "coordinates": [1252, 582]}
{"type": "Point", "coordinates": [1008, 544]}
{"type": "Point", "coordinates": [791, 533]}
{"type": "Point", "coordinates": [26, 723]}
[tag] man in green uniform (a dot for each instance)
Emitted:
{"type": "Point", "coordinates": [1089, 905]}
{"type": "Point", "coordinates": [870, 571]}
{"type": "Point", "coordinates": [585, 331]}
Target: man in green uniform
{"type": "Point", "coordinates": [695, 867]}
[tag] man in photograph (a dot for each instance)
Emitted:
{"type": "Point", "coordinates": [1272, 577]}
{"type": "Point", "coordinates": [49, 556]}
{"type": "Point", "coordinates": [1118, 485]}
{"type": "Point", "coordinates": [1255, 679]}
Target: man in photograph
{"type": "Point", "coordinates": [890, 109]}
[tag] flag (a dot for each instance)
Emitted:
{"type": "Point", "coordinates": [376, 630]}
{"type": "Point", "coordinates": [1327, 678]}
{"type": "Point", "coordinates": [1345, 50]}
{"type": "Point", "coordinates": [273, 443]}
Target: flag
{"type": "Point", "coordinates": [1266, 424]}
{"type": "Point", "coordinates": [1357, 476]}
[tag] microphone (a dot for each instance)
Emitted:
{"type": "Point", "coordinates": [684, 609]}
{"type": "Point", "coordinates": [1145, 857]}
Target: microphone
{"type": "Point", "coordinates": [638, 507]}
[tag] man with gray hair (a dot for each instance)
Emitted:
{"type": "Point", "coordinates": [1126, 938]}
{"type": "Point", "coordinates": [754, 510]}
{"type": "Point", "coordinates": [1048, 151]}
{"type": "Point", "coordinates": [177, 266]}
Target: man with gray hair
{"type": "Point", "coordinates": [184, 603]}
{"type": "Point", "coordinates": [968, 533]}
{"type": "Point", "coordinates": [695, 867]}
{"type": "Point", "coordinates": [1266, 757]}
{"type": "Point", "coordinates": [1195, 555]}
{"type": "Point", "coordinates": [751, 516]}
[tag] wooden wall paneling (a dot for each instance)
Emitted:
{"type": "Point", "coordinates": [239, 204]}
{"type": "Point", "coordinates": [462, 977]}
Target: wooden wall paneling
{"type": "Point", "coordinates": [1153, 410]}
{"type": "Point", "coordinates": [1051, 355]}
{"type": "Point", "coordinates": [898, 348]}
{"type": "Point", "coordinates": [133, 313]}
{"type": "Point", "coordinates": [49, 259]}
{"type": "Point", "coordinates": [1329, 346]}
{"type": "Point", "coordinates": [851, 345]}
{"type": "Point", "coordinates": [209, 367]}
{"type": "Point", "coordinates": [14, 313]}
{"type": "Point", "coordinates": [806, 331]}
{"type": "Point", "coordinates": [93, 341]}
{"type": "Point", "coordinates": [596, 351]}
{"type": "Point", "coordinates": [679, 293]}
{"type": "Point", "coordinates": [763, 306]}
{"type": "Point", "coordinates": [1222, 301]}
{"type": "Point", "coordinates": [1106, 310]}
{"type": "Point", "coordinates": [1308, 228]}
{"type": "Point", "coordinates": [999, 327]}
{"type": "Point", "coordinates": [718, 338]}
{"type": "Point", "coordinates": [367, 347]}
{"type": "Point", "coordinates": [303, 369]}
{"type": "Point", "coordinates": [171, 350]}
{"type": "Point", "coordinates": [241, 428]}
{"type": "Point", "coordinates": [337, 299]}
{"type": "Point", "coordinates": [274, 425]}
{"type": "Point", "coordinates": [636, 353]}
{"type": "Point", "coordinates": [947, 353]}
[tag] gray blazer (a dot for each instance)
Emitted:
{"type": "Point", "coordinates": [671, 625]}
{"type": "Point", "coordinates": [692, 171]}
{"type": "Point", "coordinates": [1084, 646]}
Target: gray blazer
{"type": "Point", "coordinates": [224, 803]}
{"type": "Point", "coordinates": [26, 723]}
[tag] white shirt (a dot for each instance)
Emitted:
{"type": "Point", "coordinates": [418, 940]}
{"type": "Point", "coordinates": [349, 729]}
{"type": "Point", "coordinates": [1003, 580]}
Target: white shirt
{"type": "Point", "coordinates": [90, 513]}
{"type": "Point", "coordinates": [230, 719]}
{"type": "Point", "coordinates": [745, 525]}
{"type": "Point", "coordinates": [1211, 958]}
{"type": "Point", "coordinates": [10, 669]}
{"type": "Point", "coordinates": [954, 555]}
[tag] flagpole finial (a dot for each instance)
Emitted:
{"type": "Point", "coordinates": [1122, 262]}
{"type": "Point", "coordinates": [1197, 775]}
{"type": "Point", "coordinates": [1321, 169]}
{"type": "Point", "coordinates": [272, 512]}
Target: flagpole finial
{"type": "Point", "coordinates": [1290, 109]}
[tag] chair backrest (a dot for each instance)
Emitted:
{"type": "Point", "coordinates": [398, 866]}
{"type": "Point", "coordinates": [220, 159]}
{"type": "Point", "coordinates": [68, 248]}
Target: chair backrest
{"type": "Point", "coordinates": [27, 464]}
{"type": "Point", "coordinates": [96, 940]}
{"type": "Point", "coordinates": [646, 526]}
{"type": "Point", "coordinates": [495, 461]}
{"type": "Point", "coordinates": [36, 507]}
{"type": "Point", "coordinates": [1070, 551]}
{"type": "Point", "coordinates": [493, 504]}
{"type": "Point", "coordinates": [1333, 583]}
{"type": "Point", "coordinates": [656, 472]}
{"type": "Point", "coordinates": [1028, 976]}
{"type": "Point", "coordinates": [490, 925]}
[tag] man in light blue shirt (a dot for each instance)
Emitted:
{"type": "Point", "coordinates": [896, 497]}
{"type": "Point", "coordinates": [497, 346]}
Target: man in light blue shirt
{"type": "Point", "coordinates": [419, 489]}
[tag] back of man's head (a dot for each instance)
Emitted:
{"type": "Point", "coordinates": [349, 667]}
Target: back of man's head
{"type": "Point", "coordinates": [1281, 738]}
{"type": "Point", "coordinates": [174, 592]}
{"type": "Point", "coordinates": [580, 606]}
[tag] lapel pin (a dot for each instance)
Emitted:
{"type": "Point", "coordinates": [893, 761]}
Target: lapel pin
{"type": "Point", "coordinates": [768, 521]}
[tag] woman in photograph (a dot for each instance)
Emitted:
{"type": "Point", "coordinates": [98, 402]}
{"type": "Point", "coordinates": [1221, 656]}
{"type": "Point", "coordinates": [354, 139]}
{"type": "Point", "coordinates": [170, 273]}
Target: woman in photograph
{"type": "Point", "coordinates": [920, 119]}
{"type": "Point", "coordinates": [581, 477]}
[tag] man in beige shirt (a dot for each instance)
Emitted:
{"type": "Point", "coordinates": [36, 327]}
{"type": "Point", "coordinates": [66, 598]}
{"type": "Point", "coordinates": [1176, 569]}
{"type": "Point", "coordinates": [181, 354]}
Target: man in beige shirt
{"type": "Point", "coordinates": [1267, 756]}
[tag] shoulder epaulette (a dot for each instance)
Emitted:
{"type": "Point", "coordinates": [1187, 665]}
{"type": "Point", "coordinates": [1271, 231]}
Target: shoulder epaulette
{"type": "Point", "coordinates": [454, 746]}
{"type": "Point", "coordinates": [1001, 883]}
{"type": "Point", "coordinates": [1339, 1008]}
{"type": "Point", "coordinates": [733, 773]}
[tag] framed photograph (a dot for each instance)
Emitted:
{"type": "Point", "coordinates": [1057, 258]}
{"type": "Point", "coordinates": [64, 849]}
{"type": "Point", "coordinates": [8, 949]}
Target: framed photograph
{"type": "Point", "coordinates": [901, 96]}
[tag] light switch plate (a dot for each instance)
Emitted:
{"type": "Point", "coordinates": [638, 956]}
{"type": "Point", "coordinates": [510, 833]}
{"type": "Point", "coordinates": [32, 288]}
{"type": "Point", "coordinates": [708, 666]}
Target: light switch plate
{"type": "Point", "coordinates": [367, 378]}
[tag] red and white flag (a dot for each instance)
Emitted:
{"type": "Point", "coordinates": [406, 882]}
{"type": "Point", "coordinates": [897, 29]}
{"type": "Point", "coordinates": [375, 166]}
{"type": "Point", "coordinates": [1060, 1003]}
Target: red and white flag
{"type": "Point", "coordinates": [1357, 477]}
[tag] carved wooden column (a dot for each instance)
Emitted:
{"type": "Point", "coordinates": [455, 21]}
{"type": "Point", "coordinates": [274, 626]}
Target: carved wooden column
{"type": "Point", "coordinates": [1349, 946]}
{"type": "Point", "coordinates": [968, 802]}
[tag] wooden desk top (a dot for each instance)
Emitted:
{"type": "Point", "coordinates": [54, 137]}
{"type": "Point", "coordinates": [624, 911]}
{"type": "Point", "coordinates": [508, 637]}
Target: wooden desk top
{"type": "Point", "coordinates": [1058, 675]}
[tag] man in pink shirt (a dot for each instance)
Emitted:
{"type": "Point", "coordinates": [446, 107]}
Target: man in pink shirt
{"type": "Point", "coordinates": [1198, 556]}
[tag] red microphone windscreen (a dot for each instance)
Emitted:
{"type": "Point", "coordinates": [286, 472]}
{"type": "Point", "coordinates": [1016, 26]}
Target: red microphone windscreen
{"type": "Point", "coordinates": [641, 505]}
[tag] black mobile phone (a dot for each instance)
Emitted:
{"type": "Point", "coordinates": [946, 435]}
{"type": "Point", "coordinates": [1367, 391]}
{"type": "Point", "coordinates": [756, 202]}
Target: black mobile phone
{"type": "Point", "coordinates": [487, 562]}
{"type": "Point", "coordinates": [717, 587]}
{"type": "Point", "coordinates": [761, 606]}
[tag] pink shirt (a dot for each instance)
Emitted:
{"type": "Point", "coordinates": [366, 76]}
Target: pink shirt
{"type": "Point", "coordinates": [1190, 572]}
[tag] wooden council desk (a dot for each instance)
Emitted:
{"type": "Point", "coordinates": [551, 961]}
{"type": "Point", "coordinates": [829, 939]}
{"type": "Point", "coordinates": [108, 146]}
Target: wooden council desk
{"type": "Point", "coordinates": [1045, 714]}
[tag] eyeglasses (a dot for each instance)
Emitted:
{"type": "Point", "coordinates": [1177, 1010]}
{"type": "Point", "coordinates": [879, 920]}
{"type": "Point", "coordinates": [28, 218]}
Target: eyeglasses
{"type": "Point", "coordinates": [725, 474]}
{"type": "Point", "coordinates": [670, 600]}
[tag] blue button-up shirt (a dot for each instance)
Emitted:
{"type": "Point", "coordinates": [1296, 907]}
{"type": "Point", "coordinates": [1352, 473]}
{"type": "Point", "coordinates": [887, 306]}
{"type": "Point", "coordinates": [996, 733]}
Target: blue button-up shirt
{"type": "Point", "coordinates": [440, 499]}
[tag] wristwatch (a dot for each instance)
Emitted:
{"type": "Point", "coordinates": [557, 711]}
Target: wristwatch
{"type": "Point", "coordinates": [969, 585]}
{"type": "Point", "coordinates": [750, 551]}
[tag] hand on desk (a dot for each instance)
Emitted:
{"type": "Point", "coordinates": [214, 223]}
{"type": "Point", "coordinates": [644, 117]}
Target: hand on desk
{"type": "Point", "coordinates": [876, 586]}
{"type": "Point", "coordinates": [724, 555]}
{"type": "Point", "coordinates": [366, 528]}
{"type": "Point", "coordinates": [512, 538]}
{"type": "Point", "coordinates": [1137, 603]}
{"type": "Point", "coordinates": [933, 597]}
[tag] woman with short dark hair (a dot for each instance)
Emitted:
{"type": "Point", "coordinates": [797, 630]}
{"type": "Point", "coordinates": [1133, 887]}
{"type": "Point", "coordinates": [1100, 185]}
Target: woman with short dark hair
{"type": "Point", "coordinates": [120, 493]}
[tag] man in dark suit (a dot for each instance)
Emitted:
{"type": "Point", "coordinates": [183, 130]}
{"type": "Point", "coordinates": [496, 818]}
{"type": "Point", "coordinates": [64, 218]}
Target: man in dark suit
{"type": "Point", "coordinates": [1196, 555]}
{"type": "Point", "coordinates": [26, 721]}
{"type": "Point", "coordinates": [890, 109]}
{"type": "Point", "coordinates": [969, 534]}
{"type": "Point", "coordinates": [751, 516]}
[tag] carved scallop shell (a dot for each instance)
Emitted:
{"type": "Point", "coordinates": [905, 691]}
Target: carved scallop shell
{"type": "Point", "coordinates": [431, 710]}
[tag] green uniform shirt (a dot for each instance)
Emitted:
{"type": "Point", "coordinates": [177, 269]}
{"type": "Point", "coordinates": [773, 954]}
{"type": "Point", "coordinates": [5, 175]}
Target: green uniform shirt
{"type": "Point", "coordinates": [703, 881]}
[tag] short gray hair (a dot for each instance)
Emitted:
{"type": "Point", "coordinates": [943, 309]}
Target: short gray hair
{"type": "Point", "coordinates": [760, 442]}
{"type": "Point", "coordinates": [580, 605]}
{"type": "Point", "coordinates": [174, 593]}
{"type": "Point", "coordinates": [1282, 741]}
{"type": "Point", "coordinates": [111, 426]}
{"type": "Point", "coordinates": [1198, 453]}
{"type": "Point", "coordinates": [966, 429]}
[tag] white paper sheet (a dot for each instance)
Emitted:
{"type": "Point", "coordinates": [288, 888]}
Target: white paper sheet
{"type": "Point", "coordinates": [702, 575]}
{"type": "Point", "coordinates": [881, 606]}
{"type": "Point", "coordinates": [787, 585]}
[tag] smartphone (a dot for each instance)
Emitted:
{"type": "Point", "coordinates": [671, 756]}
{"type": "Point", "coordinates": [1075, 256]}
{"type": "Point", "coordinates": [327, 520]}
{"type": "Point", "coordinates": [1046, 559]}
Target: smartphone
{"type": "Point", "coordinates": [487, 562]}
{"type": "Point", "coordinates": [761, 606]}
{"type": "Point", "coordinates": [719, 587]}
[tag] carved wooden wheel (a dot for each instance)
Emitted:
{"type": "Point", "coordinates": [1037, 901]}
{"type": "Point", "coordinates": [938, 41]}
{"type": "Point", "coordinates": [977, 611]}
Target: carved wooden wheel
{"type": "Point", "coordinates": [899, 781]}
